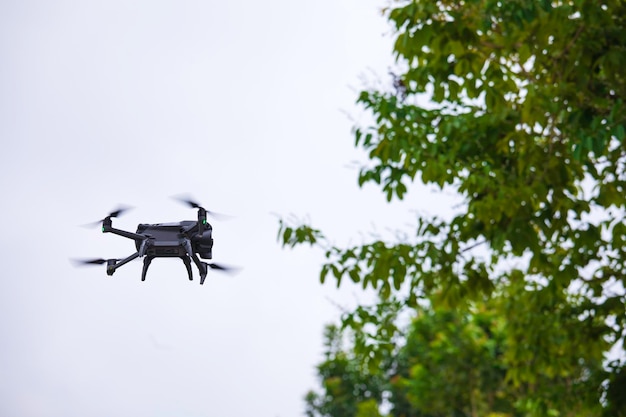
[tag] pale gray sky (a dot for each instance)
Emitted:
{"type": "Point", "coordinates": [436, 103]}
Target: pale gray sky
{"type": "Point", "coordinates": [240, 104]}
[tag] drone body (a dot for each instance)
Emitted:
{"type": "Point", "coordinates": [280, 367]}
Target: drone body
{"type": "Point", "coordinates": [187, 240]}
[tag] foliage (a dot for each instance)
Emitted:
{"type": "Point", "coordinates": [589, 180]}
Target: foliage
{"type": "Point", "coordinates": [525, 120]}
{"type": "Point", "coordinates": [350, 390]}
{"type": "Point", "coordinates": [451, 363]}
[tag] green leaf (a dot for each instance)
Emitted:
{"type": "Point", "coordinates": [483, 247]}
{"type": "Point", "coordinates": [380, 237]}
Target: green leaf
{"type": "Point", "coordinates": [323, 273]}
{"type": "Point", "coordinates": [354, 275]}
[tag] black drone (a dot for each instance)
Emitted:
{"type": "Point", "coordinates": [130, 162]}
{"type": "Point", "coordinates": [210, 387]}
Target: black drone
{"type": "Point", "coordinates": [185, 240]}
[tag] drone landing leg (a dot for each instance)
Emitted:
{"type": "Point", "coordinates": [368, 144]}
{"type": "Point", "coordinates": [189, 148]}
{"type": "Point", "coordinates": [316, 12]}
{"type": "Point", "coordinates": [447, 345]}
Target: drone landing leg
{"type": "Point", "coordinates": [146, 263]}
{"type": "Point", "coordinates": [187, 263]}
{"type": "Point", "coordinates": [203, 270]}
{"type": "Point", "coordinates": [202, 267]}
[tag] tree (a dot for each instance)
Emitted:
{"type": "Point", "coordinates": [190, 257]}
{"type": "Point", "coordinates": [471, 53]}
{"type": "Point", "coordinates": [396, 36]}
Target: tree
{"type": "Point", "coordinates": [448, 366]}
{"type": "Point", "coordinates": [450, 363]}
{"type": "Point", "coordinates": [526, 121]}
{"type": "Point", "coordinates": [349, 389]}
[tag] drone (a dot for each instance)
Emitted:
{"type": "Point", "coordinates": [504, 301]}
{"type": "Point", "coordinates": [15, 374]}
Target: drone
{"type": "Point", "coordinates": [187, 240]}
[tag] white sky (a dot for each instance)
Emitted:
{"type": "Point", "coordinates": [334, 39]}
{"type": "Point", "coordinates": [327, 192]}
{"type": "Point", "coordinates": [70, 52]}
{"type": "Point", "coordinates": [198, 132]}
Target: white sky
{"type": "Point", "coordinates": [239, 104]}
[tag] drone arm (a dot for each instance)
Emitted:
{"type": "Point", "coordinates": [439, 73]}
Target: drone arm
{"type": "Point", "coordinates": [108, 228]}
{"type": "Point", "coordinates": [123, 233]}
{"type": "Point", "coordinates": [111, 268]}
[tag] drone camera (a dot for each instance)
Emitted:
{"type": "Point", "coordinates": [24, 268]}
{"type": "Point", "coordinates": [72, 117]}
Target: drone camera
{"type": "Point", "coordinates": [204, 245]}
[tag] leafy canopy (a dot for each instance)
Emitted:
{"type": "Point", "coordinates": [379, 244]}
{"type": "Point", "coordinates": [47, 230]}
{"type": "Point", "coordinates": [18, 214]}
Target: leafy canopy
{"type": "Point", "coordinates": [451, 363]}
{"type": "Point", "coordinates": [525, 120]}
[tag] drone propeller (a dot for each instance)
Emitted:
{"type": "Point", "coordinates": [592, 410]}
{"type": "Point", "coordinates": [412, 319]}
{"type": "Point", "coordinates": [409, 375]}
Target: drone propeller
{"type": "Point", "coordinates": [223, 268]}
{"type": "Point", "coordinates": [116, 213]}
{"type": "Point", "coordinates": [111, 264]}
{"type": "Point", "coordinates": [97, 261]}
{"type": "Point", "coordinates": [193, 204]}
{"type": "Point", "coordinates": [188, 201]}
{"type": "Point", "coordinates": [202, 266]}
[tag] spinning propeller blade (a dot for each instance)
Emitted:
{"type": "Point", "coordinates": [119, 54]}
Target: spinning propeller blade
{"type": "Point", "coordinates": [223, 268]}
{"type": "Point", "coordinates": [188, 201]}
{"type": "Point", "coordinates": [97, 261]}
{"type": "Point", "coordinates": [116, 213]}
{"type": "Point", "coordinates": [194, 204]}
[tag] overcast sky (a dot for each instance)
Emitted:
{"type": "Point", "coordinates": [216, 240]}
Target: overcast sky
{"type": "Point", "coordinates": [245, 106]}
